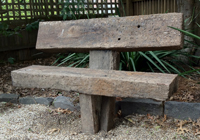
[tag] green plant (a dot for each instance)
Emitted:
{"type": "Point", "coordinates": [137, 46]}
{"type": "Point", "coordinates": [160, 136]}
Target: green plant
{"type": "Point", "coordinates": [5, 31]}
{"type": "Point", "coordinates": [73, 60]}
{"type": "Point", "coordinates": [33, 25]}
{"type": "Point", "coordinates": [11, 60]}
{"type": "Point", "coordinates": [73, 10]}
{"type": "Point", "coordinates": [162, 61]}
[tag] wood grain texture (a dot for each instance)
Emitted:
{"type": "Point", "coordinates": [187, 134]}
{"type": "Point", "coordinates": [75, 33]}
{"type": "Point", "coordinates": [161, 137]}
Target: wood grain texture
{"type": "Point", "coordinates": [98, 82]}
{"type": "Point", "coordinates": [134, 33]}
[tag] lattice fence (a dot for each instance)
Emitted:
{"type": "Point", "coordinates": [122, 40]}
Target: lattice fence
{"type": "Point", "coordinates": [28, 9]}
{"type": "Point", "coordinates": [145, 7]}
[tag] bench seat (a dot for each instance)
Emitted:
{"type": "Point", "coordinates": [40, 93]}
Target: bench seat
{"type": "Point", "coordinates": [97, 82]}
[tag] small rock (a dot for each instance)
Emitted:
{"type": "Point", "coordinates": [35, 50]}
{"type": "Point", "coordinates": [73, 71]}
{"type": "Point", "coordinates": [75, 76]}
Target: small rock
{"type": "Point", "coordinates": [64, 103]}
{"type": "Point", "coordinates": [182, 110]}
{"type": "Point", "coordinates": [140, 106]}
{"type": "Point", "coordinates": [27, 100]}
{"type": "Point", "coordinates": [12, 98]}
{"type": "Point", "coordinates": [44, 101]}
{"type": "Point", "coordinates": [36, 100]}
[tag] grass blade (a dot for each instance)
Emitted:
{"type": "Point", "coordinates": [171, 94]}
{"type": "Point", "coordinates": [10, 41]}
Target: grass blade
{"type": "Point", "coordinates": [186, 33]}
{"type": "Point", "coordinates": [149, 59]}
{"type": "Point", "coordinates": [159, 61]}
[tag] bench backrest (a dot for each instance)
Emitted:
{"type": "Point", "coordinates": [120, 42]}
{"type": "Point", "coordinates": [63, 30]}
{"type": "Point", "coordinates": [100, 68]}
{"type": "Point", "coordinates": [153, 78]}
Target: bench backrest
{"type": "Point", "coordinates": [134, 33]}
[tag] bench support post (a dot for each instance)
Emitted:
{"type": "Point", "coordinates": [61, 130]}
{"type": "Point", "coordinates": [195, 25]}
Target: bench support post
{"type": "Point", "coordinates": [97, 112]}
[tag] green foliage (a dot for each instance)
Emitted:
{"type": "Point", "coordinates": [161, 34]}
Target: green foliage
{"type": "Point", "coordinates": [5, 31]}
{"type": "Point", "coordinates": [10, 60]}
{"type": "Point", "coordinates": [33, 26]}
{"type": "Point", "coordinates": [72, 10]}
{"type": "Point", "coordinates": [73, 60]}
{"type": "Point", "coordinates": [159, 61]}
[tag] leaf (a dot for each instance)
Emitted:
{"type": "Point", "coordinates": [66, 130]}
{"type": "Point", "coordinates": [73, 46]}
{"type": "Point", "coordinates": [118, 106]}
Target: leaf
{"type": "Point", "coordinates": [53, 130]}
{"type": "Point", "coordinates": [130, 120]}
{"type": "Point", "coordinates": [158, 60]}
{"type": "Point", "coordinates": [157, 127]}
{"type": "Point", "coordinates": [11, 60]}
{"type": "Point", "coordinates": [165, 118]}
{"type": "Point", "coordinates": [150, 60]}
{"type": "Point", "coordinates": [186, 33]}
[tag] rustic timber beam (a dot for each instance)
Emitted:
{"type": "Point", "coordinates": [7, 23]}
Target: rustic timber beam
{"type": "Point", "coordinates": [134, 33]}
{"type": "Point", "coordinates": [98, 82]}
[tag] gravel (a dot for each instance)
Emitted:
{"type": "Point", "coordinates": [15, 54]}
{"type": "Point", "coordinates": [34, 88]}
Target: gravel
{"type": "Point", "coordinates": [24, 122]}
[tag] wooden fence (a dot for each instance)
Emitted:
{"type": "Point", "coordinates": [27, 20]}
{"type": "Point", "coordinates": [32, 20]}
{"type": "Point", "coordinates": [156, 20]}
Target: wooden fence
{"type": "Point", "coordinates": [23, 11]}
{"type": "Point", "coordinates": [145, 7]}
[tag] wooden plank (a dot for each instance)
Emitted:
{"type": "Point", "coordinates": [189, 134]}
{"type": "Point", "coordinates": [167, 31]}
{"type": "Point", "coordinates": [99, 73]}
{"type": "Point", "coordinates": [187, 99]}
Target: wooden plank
{"type": "Point", "coordinates": [134, 33]}
{"type": "Point", "coordinates": [97, 82]}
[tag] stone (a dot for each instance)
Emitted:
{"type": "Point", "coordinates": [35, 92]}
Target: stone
{"type": "Point", "coordinates": [129, 106]}
{"type": "Point", "coordinates": [36, 100]}
{"type": "Point", "coordinates": [27, 100]}
{"type": "Point", "coordinates": [132, 33]}
{"type": "Point", "coordinates": [158, 86]}
{"type": "Point", "coordinates": [44, 101]}
{"type": "Point", "coordinates": [64, 103]}
{"type": "Point", "coordinates": [12, 98]}
{"type": "Point", "coordinates": [182, 110]}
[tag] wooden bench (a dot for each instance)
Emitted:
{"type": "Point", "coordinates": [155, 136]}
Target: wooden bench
{"type": "Point", "coordinates": [104, 39]}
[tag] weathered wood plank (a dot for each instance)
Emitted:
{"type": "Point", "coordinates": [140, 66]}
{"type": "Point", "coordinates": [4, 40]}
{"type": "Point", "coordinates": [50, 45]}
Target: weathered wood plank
{"type": "Point", "coordinates": [144, 33]}
{"type": "Point", "coordinates": [97, 82]}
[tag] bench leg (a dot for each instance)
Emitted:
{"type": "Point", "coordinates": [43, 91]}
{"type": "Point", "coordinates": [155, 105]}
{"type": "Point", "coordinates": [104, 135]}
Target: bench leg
{"type": "Point", "coordinates": [97, 112]}
{"type": "Point", "coordinates": [107, 113]}
{"type": "Point", "coordinates": [90, 113]}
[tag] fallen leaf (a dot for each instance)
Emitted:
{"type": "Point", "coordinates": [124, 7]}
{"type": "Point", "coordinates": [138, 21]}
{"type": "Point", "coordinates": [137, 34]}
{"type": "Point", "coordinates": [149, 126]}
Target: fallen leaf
{"type": "Point", "coordinates": [8, 104]}
{"type": "Point", "coordinates": [165, 118]}
{"type": "Point", "coordinates": [118, 99]}
{"type": "Point", "coordinates": [53, 130]}
{"type": "Point", "coordinates": [130, 120]}
{"type": "Point", "coordinates": [182, 130]}
{"type": "Point", "coordinates": [150, 117]}
{"type": "Point", "coordinates": [59, 110]}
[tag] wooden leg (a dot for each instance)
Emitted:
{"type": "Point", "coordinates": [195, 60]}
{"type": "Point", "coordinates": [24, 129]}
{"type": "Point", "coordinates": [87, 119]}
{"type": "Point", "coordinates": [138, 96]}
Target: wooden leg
{"type": "Point", "coordinates": [97, 113]}
{"type": "Point", "coordinates": [107, 113]}
{"type": "Point", "coordinates": [90, 113]}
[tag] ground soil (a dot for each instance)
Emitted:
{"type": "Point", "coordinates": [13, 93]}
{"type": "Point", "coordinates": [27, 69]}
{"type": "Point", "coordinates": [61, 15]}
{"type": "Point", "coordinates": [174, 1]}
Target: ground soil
{"type": "Point", "coordinates": [188, 89]}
